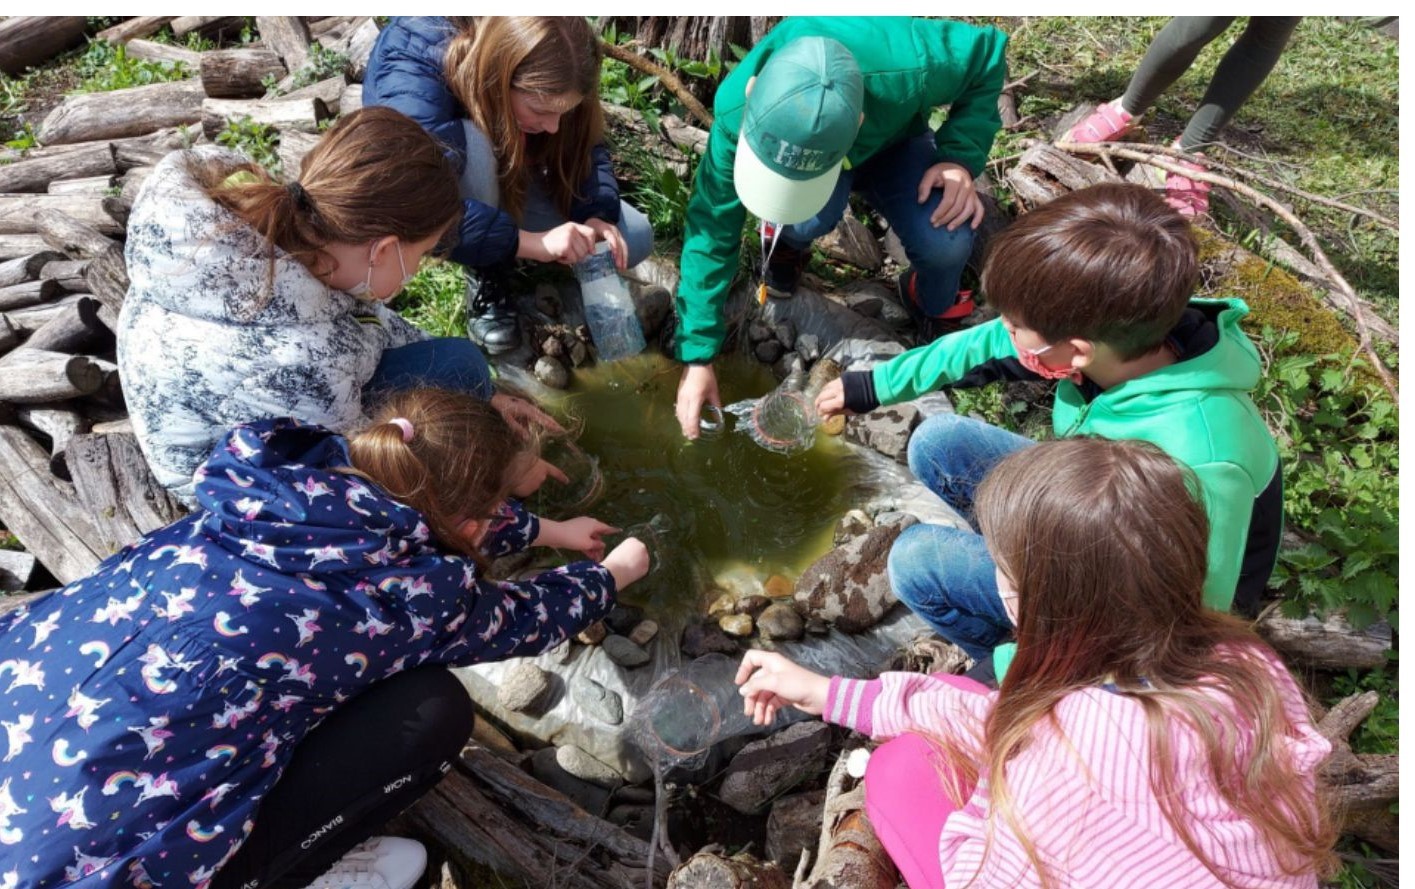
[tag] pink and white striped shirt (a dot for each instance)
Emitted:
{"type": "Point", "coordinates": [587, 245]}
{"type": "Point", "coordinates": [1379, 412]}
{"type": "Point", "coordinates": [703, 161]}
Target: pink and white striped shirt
{"type": "Point", "coordinates": [1083, 795]}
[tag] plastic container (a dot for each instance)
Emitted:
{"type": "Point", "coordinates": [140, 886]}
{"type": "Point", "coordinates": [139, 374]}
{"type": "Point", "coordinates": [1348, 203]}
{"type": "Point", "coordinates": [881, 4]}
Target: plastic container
{"type": "Point", "coordinates": [688, 711]}
{"type": "Point", "coordinates": [609, 308]}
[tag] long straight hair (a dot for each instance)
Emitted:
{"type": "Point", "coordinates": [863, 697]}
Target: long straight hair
{"type": "Point", "coordinates": [1106, 545]}
{"type": "Point", "coordinates": [545, 55]}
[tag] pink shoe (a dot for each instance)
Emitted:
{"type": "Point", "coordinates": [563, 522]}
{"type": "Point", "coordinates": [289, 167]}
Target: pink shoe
{"type": "Point", "coordinates": [1106, 124]}
{"type": "Point", "coordinates": [1189, 197]}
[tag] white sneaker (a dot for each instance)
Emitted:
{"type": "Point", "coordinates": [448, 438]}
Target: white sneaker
{"type": "Point", "coordinates": [377, 863]}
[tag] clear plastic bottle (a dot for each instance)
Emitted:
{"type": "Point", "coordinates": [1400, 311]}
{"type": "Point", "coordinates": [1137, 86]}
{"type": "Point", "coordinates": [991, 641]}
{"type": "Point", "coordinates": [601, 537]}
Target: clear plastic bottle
{"type": "Point", "coordinates": [609, 309]}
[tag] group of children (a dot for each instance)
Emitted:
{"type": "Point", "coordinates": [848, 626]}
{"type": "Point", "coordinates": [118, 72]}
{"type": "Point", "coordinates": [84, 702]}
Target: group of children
{"type": "Point", "coordinates": [244, 697]}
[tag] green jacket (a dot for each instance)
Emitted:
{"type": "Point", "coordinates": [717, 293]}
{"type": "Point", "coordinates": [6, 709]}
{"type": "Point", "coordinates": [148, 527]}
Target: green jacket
{"type": "Point", "coordinates": [1197, 410]}
{"type": "Point", "coordinates": [910, 67]}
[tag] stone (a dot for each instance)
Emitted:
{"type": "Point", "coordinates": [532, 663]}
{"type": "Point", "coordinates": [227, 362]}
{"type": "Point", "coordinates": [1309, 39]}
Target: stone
{"type": "Point", "coordinates": [866, 306]}
{"type": "Point", "coordinates": [585, 767]}
{"type": "Point", "coordinates": [752, 605]}
{"type": "Point", "coordinates": [723, 604]}
{"type": "Point", "coordinates": [625, 653]}
{"type": "Point", "coordinates": [548, 300]}
{"type": "Point", "coordinates": [653, 306]}
{"type": "Point", "coordinates": [525, 686]}
{"type": "Point", "coordinates": [739, 625]}
{"type": "Point", "coordinates": [822, 372]}
{"type": "Point", "coordinates": [785, 333]}
{"type": "Point", "coordinates": [849, 586]}
{"type": "Point", "coordinates": [702, 638]}
{"type": "Point", "coordinates": [833, 425]}
{"type": "Point", "coordinates": [894, 248]}
{"type": "Point", "coordinates": [643, 633]}
{"type": "Point", "coordinates": [789, 365]}
{"type": "Point", "coordinates": [766, 769]}
{"type": "Point", "coordinates": [551, 347]}
{"type": "Point", "coordinates": [808, 345]}
{"type": "Point", "coordinates": [622, 618]}
{"type": "Point", "coordinates": [758, 332]}
{"type": "Point", "coordinates": [769, 351]}
{"type": "Point", "coordinates": [579, 353]}
{"type": "Point", "coordinates": [593, 634]}
{"type": "Point", "coordinates": [781, 622]}
{"type": "Point", "coordinates": [552, 373]}
{"type": "Point", "coordinates": [793, 826]}
{"type": "Point", "coordinates": [547, 770]}
{"type": "Point", "coordinates": [604, 704]}
{"type": "Point", "coordinates": [817, 627]}
{"type": "Point", "coordinates": [887, 430]}
{"type": "Point", "coordinates": [778, 587]}
{"type": "Point", "coordinates": [852, 241]}
{"type": "Point", "coordinates": [854, 523]}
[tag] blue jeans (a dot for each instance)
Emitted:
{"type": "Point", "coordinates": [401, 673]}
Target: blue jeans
{"type": "Point", "coordinates": [890, 182]}
{"type": "Point", "coordinates": [445, 363]}
{"type": "Point", "coordinates": [945, 575]}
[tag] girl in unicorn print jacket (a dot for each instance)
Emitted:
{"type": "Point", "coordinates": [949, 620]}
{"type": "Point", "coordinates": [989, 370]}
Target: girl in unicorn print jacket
{"type": "Point", "coordinates": [247, 693]}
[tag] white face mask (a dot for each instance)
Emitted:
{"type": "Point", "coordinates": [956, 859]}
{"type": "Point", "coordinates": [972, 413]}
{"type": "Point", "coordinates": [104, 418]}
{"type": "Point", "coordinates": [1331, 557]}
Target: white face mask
{"type": "Point", "coordinates": [364, 289]}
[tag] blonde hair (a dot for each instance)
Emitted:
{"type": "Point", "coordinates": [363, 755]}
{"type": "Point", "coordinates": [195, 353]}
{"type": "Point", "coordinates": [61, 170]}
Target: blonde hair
{"type": "Point", "coordinates": [544, 55]}
{"type": "Point", "coordinates": [1106, 546]}
{"type": "Point", "coordinates": [374, 173]}
{"type": "Point", "coordinates": [459, 462]}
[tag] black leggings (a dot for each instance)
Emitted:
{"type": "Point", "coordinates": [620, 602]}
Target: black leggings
{"type": "Point", "coordinates": [371, 759]}
{"type": "Point", "coordinates": [1243, 69]}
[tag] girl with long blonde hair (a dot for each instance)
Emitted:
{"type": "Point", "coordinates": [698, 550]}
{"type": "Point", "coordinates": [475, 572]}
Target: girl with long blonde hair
{"type": "Point", "coordinates": [1137, 738]}
{"type": "Point", "coordinates": [515, 99]}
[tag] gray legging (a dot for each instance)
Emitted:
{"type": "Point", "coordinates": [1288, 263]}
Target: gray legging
{"type": "Point", "coordinates": [1244, 67]}
{"type": "Point", "coordinates": [540, 214]}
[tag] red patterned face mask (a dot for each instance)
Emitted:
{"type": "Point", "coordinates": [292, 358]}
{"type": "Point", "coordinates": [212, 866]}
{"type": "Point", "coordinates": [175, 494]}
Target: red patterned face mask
{"type": "Point", "coordinates": [1032, 361]}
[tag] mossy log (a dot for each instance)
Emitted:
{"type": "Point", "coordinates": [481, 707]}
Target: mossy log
{"type": "Point", "coordinates": [136, 111]}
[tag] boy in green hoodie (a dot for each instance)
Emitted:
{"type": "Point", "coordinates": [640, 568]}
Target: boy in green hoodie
{"type": "Point", "coordinates": [819, 108]}
{"type": "Point", "coordinates": [1093, 290]}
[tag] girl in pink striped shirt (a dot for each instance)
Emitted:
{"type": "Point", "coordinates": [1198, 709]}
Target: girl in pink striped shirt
{"type": "Point", "coordinates": [1137, 739]}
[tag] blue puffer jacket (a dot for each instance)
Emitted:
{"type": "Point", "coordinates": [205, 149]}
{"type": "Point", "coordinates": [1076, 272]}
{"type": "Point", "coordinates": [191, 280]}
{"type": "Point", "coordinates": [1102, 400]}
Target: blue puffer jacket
{"type": "Point", "coordinates": [148, 707]}
{"type": "Point", "coordinates": [405, 73]}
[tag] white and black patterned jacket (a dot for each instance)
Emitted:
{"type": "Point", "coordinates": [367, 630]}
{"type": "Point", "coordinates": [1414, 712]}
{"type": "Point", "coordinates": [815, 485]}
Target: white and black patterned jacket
{"type": "Point", "coordinates": [197, 352]}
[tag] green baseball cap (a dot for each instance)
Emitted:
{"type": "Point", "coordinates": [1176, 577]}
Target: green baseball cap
{"type": "Point", "coordinates": [802, 115]}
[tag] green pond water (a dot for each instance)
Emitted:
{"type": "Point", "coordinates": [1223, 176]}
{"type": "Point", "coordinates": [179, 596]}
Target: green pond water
{"type": "Point", "coordinates": [714, 510]}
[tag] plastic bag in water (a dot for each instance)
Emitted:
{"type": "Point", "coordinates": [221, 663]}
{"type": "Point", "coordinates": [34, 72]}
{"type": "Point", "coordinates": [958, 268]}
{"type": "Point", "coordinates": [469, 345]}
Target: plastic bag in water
{"type": "Point", "coordinates": [688, 711]}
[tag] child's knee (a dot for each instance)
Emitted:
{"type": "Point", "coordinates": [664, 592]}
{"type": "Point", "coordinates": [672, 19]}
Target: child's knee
{"type": "Point", "coordinates": [637, 232]}
{"type": "Point", "coordinates": [930, 443]}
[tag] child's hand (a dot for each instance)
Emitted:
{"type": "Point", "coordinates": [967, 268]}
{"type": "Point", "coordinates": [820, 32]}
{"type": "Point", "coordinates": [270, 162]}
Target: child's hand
{"type": "Point", "coordinates": [584, 534]}
{"type": "Point", "coordinates": [628, 562]}
{"type": "Point", "coordinates": [535, 476]}
{"type": "Point", "coordinates": [960, 202]}
{"type": "Point", "coordinates": [831, 399]}
{"type": "Point", "coordinates": [770, 681]}
{"type": "Point", "coordinates": [522, 415]}
{"type": "Point", "coordinates": [568, 243]}
{"type": "Point", "coordinates": [608, 231]}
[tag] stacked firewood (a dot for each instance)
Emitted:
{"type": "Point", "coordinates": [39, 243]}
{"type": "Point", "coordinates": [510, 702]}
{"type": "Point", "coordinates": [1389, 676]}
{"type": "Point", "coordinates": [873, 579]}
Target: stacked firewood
{"type": "Point", "coordinates": [73, 484]}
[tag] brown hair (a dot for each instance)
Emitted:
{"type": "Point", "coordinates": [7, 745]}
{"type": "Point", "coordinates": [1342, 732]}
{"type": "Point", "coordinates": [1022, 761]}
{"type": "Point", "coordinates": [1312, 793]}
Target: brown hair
{"type": "Point", "coordinates": [459, 465]}
{"type": "Point", "coordinates": [545, 55]}
{"type": "Point", "coordinates": [1111, 264]}
{"type": "Point", "coordinates": [1106, 546]}
{"type": "Point", "coordinates": [374, 173]}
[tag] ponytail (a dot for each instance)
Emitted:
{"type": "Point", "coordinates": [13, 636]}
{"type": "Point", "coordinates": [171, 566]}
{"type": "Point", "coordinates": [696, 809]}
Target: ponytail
{"type": "Point", "coordinates": [374, 173]}
{"type": "Point", "coordinates": [449, 455]}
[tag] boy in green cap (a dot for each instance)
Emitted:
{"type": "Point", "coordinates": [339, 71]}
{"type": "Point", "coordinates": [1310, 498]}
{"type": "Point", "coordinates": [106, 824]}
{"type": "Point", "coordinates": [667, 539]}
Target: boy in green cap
{"type": "Point", "coordinates": [818, 108]}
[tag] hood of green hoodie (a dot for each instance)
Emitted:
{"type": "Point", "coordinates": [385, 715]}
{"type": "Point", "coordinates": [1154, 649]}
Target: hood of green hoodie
{"type": "Point", "coordinates": [1199, 409]}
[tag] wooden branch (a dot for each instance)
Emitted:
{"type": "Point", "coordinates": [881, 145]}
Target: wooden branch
{"type": "Point", "coordinates": [12, 246]}
{"type": "Point", "coordinates": [146, 151]}
{"type": "Point", "coordinates": [139, 26]}
{"type": "Point", "coordinates": [115, 485]}
{"type": "Point", "coordinates": [357, 46]}
{"type": "Point", "coordinates": [709, 870]}
{"type": "Point", "coordinates": [239, 73]}
{"type": "Point", "coordinates": [18, 212]}
{"type": "Point", "coordinates": [328, 91]}
{"type": "Point", "coordinates": [27, 40]}
{"type": "Point", "coordinates": [67, 273]}
{"type": "Point", "coordinates": [25, 268]}
{"type": "Point", "coordinates": [44, 512]}
{"type": "Point", "coordinates": [72, 330]}
{"type": "Point", "coordinates": [32, 318]}
{"type": "Point", "coordinates": [42, 166]}
{"type": "Point", "coordinates": [294, 145]}
{"type": "Point", "coordinates": [90, 186]}
{"type": "Point", "coordinates": [33, 376]}
{"type": "Point", "coordinates": [304, 115]}
{"type": "Point", "coordinates": [9, 336]}
{"type": "Point", "coordinates": [1330, 643]}
{"type": "Point", "coordinates": [211, 26]}
{"type": "Point", "coordinates": [26, 294]}
{"type": "Point", "coordinates": [492, 812]}
{"type": "Point", "coordinates": [107, 277]}
{"type": "Point", "coordinates": [665, 77]}
{"type": "Point", "coordinates": [1163, 161]}
{"type": "Point", "coordinates": [71, 236]}
{"type": "Point", "coordinates": [135, 111]}
{"type": "Point", "coordinates": [60, 424]}
{"type": "Point", "coordinates": [16, 569]}
{"type": "Point", "coordinates": [288, 36]}
{"type": "Point", "coordinates": [152, 51]}
{"type": "Point", "coordinates": [352, 99]}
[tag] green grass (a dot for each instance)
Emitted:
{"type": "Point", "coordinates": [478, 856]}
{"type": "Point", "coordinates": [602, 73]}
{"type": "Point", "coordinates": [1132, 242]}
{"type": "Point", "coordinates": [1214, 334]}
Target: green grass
{"type": "Point", "coordinates": [104, 66]}
{"type": "Point", "coordinates": [435, 299]}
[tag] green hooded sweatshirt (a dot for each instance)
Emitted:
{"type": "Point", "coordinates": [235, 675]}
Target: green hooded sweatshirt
{"type": "Point", "coordinates": [1197, 410]}
{"type": "Point", "coordinates": [910, 67]}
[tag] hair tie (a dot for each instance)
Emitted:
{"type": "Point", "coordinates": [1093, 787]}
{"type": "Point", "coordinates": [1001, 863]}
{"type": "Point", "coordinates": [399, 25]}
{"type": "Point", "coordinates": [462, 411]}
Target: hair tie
{"type": "Point", "coordinates": [300, 197]}
{"type": "Point", "coordinates": [405, 426]}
